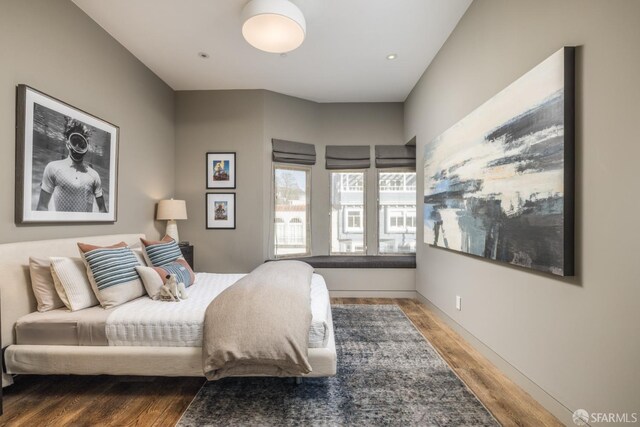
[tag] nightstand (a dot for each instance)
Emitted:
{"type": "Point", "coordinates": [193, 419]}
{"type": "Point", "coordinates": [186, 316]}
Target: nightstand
{"type": "Point", "coordinates": [187, 253]}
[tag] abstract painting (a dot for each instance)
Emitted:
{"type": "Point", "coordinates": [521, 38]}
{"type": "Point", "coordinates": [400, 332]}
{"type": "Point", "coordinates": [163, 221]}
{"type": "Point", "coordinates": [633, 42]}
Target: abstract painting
{"type": "Point", "coordinates": [499, 183]}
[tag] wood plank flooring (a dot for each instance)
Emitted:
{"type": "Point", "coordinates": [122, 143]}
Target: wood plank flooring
{"type": "Point", "coordinates": [159, 401]}
{"type": "Point", "coordinates": [508, 403]}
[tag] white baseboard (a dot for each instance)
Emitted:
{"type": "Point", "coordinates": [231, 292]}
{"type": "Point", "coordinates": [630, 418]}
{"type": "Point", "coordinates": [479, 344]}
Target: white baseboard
{"type": "Point", "coordinates": [552, 405]}
{"type": "Point", "coordinates": [373, 294]}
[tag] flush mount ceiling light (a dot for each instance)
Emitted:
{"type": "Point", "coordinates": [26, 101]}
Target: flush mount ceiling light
{"type": "Point", "coordinates": [275, 26]}
{"type": "Point", "coordinates": [392, 56]}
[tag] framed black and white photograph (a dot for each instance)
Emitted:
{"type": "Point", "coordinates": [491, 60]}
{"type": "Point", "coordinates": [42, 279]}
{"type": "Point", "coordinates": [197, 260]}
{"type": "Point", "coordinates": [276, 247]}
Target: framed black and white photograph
{"type": "Point", "coordinates": [66, 162]}
{"type": "Point", "coordinates": [221, 170]}
{"type": "Point", "coordinates": [221, 210]}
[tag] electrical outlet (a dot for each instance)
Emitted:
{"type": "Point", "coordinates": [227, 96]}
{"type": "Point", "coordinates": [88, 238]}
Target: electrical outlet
{"type": "Point", "coordinates": [458, 302]}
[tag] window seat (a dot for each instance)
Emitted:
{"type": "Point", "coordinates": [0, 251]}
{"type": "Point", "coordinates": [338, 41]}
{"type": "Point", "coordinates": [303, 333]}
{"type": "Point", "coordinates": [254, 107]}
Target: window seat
{"type": "Point", "coordinates": [368, 261]}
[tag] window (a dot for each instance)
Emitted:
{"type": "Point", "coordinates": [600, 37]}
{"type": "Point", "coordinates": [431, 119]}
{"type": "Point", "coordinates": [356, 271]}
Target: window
{"type": "Point", "coordinates": [396, 220]}
{"type": "Point", "coordinates": [411, 220]}
{"type": "Point", "coordinates": [348, 213]}
{"type": "Point", "coordinates": [292, 191]}
{"type": "Point", "coordinates": [397, 181]}
{"type": "Point", "coordinates": [353, 220]}
{"type": "Point", "coordinates": [396, 212]}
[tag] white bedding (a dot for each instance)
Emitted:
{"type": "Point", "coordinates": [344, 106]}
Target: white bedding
{"type": "Point", "coordinates": [145, 322]}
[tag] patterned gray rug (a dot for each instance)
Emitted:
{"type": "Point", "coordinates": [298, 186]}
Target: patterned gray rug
{"type": "Point", "coordinates": [387, 375]}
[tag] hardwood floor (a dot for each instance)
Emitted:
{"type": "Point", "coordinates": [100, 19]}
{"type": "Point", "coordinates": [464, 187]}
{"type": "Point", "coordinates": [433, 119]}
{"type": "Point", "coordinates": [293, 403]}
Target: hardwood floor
{"type": "Point", "coordinates": [97, 400]}
{"type": "Point", "coordinates": [158, 401]}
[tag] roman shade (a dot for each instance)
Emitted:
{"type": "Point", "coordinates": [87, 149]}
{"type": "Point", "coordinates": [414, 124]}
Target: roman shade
{"type": "Point", "coordinates": [395, 156]}
{"type": "Point", "coordinates": [348, 157]}
{"type": "Point", "coordinates": [293, 152]}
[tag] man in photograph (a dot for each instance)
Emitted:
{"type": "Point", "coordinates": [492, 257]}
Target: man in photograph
{"type": "Point", "coordinates": [221, 211]}
{"type": "Point", "coordinates": [73, 184]}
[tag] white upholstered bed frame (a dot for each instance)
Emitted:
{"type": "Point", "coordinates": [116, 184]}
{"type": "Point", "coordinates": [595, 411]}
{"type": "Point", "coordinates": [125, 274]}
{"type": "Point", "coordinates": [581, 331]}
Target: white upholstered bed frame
{"type": "Point", "coordinates": [18, 300]}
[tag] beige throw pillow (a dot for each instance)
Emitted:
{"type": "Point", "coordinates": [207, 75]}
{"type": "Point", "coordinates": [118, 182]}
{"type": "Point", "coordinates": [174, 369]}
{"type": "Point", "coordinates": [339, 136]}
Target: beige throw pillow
{"type": "Point", "coordinates": [42, 284]}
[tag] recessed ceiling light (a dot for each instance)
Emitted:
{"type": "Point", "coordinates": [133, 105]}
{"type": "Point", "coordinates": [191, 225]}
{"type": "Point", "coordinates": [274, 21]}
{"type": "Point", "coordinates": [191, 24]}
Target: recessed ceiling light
{"type": "Point", "coordinates": [203, 55]}
{"type": "Point", "coordinates": [392, 56]}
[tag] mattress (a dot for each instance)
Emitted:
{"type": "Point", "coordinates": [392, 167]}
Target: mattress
{"type": "Point", "coordinates": [63, 327]}
{"type": "Point", "coordinates": [145, 322]}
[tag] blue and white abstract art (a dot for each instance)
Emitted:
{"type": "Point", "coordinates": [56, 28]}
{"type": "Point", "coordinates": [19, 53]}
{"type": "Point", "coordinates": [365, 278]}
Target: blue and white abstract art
{"type": "Point", "coordinates": [499, 183]}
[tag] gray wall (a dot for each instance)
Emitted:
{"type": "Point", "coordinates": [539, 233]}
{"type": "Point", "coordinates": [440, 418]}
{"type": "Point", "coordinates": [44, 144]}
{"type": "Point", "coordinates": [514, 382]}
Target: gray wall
{"type": "Point", "coordinates": [576, 338]}
{"type": "Point", "coordinates": [221, 121]}
{"type": "Point", "coordinates": [54, 47]}
{"type": "Point", "coordinates": [245, 122]}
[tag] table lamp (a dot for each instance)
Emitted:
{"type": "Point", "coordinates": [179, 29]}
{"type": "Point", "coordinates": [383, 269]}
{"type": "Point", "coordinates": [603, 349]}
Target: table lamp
{"type": "Point", "coordinates": [172, 210]}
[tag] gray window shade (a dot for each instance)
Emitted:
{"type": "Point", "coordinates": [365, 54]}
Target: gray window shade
{"type": "Point", "coordinates": [395, 156]}
{"type": "Point", "coordinates": [293, 152]}
{"type": "Point", "coordinates": [348, 157]}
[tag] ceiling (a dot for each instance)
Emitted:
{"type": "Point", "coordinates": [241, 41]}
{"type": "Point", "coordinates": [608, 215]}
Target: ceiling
{"type": "Point", "coordinates": [343, 58]}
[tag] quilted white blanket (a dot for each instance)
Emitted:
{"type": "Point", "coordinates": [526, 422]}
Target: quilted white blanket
{"type": "Point", "coordinates": [145, 322]}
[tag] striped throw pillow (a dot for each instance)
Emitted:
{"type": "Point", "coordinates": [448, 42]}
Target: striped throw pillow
{"type": "Point", "coordinates": [180, 268]}
{"type": "Point", "coordinates": [154, 277]}
{"type": "Point", "coordinates": [162, 252]}
{"type": "Point", "coordinates": [112, 273]}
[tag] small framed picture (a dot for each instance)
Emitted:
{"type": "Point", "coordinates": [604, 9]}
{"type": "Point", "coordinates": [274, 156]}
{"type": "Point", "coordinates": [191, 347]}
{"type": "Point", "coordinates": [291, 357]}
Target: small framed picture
{"type": "Point", "coordinates": [66, 162]}
{"type": "Point", "coordinates": [221, 210]}
{"type": "Point", "coordinates": [221, 170]}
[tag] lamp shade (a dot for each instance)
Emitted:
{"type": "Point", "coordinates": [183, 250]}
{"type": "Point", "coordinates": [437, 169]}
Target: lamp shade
{"type": "Point", "coordinates": [171, 210]}
{"type": "Point", "coordinates": [274, 26]}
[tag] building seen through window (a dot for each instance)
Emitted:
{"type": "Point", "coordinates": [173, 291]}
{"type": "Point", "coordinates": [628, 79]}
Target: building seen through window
{"type": "Point", "coordinates": [291, 217]}
{"type": "Point", "coordinates": [396, 212]}
{"type": "Point", "coordinates": [348, 219]}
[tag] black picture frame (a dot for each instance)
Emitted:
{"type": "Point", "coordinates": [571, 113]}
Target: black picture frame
{"type": "Point", "coordinates": [213, 223]}
{"type": "Point", "coordinates": [231, 170]}
{"type": "Point", "coordinates": [32, 103]}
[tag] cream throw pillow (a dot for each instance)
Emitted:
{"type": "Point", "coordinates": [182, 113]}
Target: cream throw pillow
{"type": "Point", "coordinates": [151, 280]}
{"type": "Point", "coordinates": [72, 284]}
{"type": "Point", "coordinates": [42, 283]}
{"type": "Point", "coordinates": [137, 251]}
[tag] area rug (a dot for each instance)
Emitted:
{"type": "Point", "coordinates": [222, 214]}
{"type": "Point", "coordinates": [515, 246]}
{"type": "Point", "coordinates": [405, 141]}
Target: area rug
{"type": "Point", "coordinates": [388, 374]}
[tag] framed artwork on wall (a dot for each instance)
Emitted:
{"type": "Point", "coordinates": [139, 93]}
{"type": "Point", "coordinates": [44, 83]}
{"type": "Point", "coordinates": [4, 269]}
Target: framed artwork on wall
{"type": "Point", "coordinates": [221, 211]}
{"type": "Point", "coordinates": [221, 170]}
{"type": "Point", "coordinates": [66, 162]}
{"type": "Point", "coordinates": [499, 184]}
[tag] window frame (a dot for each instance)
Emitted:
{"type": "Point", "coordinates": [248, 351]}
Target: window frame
{"type": "Point", "coordinates": [380, 171]}
{"type": "Point", "coordinates": [308, 171]}
{"type": "Point", "coordinates": [363, 217]}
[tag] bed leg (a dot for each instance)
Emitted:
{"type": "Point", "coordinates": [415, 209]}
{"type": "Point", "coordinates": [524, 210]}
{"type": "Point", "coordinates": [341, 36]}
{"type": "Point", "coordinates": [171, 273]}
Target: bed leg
{"type": "Point", "coordinates": [298, 380]}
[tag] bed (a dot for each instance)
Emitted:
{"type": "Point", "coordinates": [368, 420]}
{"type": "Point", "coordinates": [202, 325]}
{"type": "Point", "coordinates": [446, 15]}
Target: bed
{"type": "Point", "coordinates": [141, 337]}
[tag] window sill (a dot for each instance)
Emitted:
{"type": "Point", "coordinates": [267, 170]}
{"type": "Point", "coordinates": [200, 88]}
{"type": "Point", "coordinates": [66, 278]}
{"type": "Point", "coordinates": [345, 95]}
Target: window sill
{"type": "Point", "coordinates": [368, 261]}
